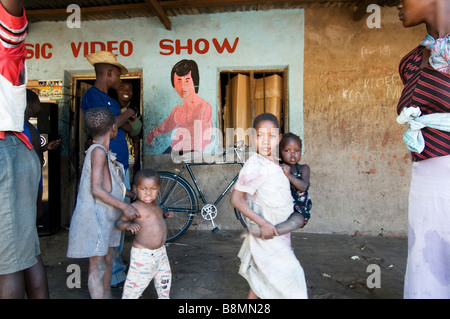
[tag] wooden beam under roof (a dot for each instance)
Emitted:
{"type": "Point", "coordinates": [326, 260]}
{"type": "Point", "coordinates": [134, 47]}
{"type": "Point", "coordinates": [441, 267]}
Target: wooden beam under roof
{"type": "Point", "coordinates": [164, 5]}
{"type": "Point", "coordinates": [176, 4]}
{"type": "Point", "coordinates": [158, 7]}
{"type": "Point", "coordinates": [36, 13]}
{"type": "Point", "coordinates": [155, 5]}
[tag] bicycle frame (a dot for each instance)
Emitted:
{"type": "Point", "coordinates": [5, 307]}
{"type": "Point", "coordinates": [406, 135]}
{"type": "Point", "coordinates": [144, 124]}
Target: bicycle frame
{"type": "Point", "coordinates": [179, 196]}
{"type": "Point", "coordinates": [200, 193]}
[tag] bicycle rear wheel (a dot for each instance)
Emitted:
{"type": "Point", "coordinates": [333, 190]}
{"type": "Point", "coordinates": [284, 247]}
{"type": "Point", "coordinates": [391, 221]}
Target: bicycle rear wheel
{"type": "Point", "coordinates": [177, 195]}
{"type": "Point", "coordinates": [240, 217]}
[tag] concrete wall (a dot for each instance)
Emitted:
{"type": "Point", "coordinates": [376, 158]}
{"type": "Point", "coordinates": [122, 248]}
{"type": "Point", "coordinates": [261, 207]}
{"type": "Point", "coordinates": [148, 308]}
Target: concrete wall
{"type": "Point", "coordinates": [342, 94]}
{"type": "Point", "coordinates": [57, 52]}
{"type": "Point", "coordinates": [360, 165]}
{"type": "Point", "coordinates": [145, 45]}
{"type": "Point", "coordinates": [352, 142]}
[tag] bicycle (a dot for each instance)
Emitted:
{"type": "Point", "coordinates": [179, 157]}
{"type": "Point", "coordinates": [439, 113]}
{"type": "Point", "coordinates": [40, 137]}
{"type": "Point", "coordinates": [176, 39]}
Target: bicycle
{"type": "Point", "coordinates": [178, 196]}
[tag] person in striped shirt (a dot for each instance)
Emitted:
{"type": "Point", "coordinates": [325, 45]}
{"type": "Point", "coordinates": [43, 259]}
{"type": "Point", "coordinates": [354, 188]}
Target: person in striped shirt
{"type": "Point", "coordinates": [425, 72]}
{"type": "Point", "coordinates": [19, 166]}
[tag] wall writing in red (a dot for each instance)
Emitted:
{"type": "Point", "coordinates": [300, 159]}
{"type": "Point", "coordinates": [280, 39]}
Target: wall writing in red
{"type": "Point", "coordinates": [200, 46]}
{"type": "Point", "coordinates": [39, 50]}
{"type": "Point", "coordinates": [44, 51]}
{"type": "Point", "coordinates": [125, 48]}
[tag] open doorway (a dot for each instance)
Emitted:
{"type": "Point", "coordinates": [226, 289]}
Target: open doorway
{"type": "Point", "coordinates": [245, 94]}
{"type": "Point", "coordinates": [79, 142]}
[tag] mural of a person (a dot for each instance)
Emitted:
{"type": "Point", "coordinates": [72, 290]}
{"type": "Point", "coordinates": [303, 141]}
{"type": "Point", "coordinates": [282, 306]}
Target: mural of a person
{"type": "Point", "coordinates": [192, 119]}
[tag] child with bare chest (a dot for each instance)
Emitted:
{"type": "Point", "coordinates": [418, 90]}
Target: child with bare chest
{"type": "Point", "coordinates": [148, 257]}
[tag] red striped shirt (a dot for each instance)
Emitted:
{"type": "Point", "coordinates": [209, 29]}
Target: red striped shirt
{"type": "Point", "coordinates": [13, 53]}
{"type": "Point", "coordinates": [12, 45]}
{"type": "Point", "coordinates": [429, 90]}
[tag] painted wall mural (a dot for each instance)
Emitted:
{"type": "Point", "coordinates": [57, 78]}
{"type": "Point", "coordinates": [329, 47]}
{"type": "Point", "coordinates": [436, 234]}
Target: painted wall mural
{"type": "Point", "coordinates": [198, 49]}
{"type": "Point", "coordinates": [191, 120]}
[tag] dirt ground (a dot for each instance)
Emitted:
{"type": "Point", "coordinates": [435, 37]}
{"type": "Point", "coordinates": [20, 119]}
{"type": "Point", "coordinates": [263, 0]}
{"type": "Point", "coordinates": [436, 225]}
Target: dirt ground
{"type": "Point", "coordinates": [205, 266]}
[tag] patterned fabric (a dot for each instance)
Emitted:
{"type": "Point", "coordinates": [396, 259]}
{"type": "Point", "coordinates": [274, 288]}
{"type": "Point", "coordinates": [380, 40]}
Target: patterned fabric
{"type": "Point", "coordinates": [440, 52]}
{"type": "Point", "coordinates": [12, 45]}
{"type": "Point", "coordinates": [302, 200]}
{"type": "Point", "coordinates": [13, 31]}
{"type": "Point", "coordinates": [146, 264]}
{"type": "Point", "coordinates": [429, 90]}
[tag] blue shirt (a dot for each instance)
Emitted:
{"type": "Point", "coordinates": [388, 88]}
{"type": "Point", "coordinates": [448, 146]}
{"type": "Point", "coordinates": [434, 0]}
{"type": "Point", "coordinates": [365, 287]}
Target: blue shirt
{"type": "Point", "coordinates": [93, 97]}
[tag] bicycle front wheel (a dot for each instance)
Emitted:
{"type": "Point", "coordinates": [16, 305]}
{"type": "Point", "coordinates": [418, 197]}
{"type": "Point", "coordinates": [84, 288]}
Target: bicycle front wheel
{"type": "Point", "coordinates": [176, 195]}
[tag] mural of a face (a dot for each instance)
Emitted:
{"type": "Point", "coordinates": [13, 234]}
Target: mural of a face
{"type": "Point", "coordinates": [184, 85]}
{"type": "Point", "coordinates": [192, 119]}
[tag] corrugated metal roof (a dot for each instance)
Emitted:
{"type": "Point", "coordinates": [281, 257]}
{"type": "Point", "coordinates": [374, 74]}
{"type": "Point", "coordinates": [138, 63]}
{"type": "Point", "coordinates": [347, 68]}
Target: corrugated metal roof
{"type": "Point", "coordinates": [55, 10]}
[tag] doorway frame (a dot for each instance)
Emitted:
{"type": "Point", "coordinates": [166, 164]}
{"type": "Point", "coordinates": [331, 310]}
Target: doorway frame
{"type": "Point", "coordinates": [76, 151]}
{"type": "Point", "coordinates": [283, 71]}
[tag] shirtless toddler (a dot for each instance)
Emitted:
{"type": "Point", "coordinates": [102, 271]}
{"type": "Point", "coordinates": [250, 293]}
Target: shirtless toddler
{"type": "Point", "coordinates": [148, 257]}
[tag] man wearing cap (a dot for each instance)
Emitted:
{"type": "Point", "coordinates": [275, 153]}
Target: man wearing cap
{"type": "Point", "coordinates": [108, 71]}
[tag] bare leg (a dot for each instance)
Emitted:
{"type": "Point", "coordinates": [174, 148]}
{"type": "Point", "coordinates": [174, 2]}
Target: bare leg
{"type": "Point", "coordinates": [97, 267]}
{"type": "Point", "coordinates": [36, 280]}
{"type": "Point", "coordinates": [100, 272]}
{"type": "Point", "coordinates": [12, 286]}
{"type": "Point", "coordinates": [295, 221]}
{"type": "Point", "coordinates": [108, 272]}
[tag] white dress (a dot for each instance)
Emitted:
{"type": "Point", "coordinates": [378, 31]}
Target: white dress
{"type": "Point", "coordinates": [269, 266]}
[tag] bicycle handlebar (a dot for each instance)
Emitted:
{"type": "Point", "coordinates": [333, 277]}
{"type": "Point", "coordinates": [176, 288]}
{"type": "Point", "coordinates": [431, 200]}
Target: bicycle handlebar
{"type": "Point", "coordinates": [238, 148]}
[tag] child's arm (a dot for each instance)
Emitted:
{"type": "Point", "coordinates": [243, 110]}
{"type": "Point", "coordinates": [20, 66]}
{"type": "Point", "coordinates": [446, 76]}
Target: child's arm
{"type": "Point", "coordinates": [238, 201]}
{"type": "Point", "coordinates": [302, 183]}
{"type": "Point", "coordinates": [130, 194]}
{"type": "Point", "coordinates": [124, 223]}
{"type": "Point", "coordinates": [13, 7]}
{"type": "Point", "coordinates": [99, 162]}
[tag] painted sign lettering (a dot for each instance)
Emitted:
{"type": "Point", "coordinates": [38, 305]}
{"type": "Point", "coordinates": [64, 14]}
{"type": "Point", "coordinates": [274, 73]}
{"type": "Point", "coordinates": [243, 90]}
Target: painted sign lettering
{"type": "Point", "coordinates": [200, 46]}
{"type": "Point", "coordinates": [124, 48]}
{"type": "Point", "coordinates": [37, 51]}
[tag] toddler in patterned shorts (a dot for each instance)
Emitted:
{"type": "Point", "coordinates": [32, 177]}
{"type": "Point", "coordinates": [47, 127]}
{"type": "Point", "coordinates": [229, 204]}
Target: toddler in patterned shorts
{"type": "Point", "coordinates": [148, 257]}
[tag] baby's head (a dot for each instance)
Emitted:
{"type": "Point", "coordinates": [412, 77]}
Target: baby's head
{"type": "Point", "coordinates": [99, 121]}
{"type": "Point", "coordinates": [266, 134]}
{"type": "Point", "coordinates": [146, 184]}
{"type": "Point", "coordinates": [290, 148]}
